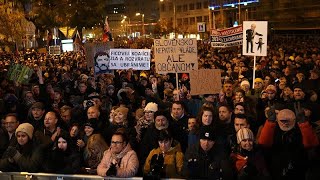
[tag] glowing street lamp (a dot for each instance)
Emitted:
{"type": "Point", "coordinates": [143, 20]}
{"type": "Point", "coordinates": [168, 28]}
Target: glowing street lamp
{"type": "Point", "coordinates": [142, 16]}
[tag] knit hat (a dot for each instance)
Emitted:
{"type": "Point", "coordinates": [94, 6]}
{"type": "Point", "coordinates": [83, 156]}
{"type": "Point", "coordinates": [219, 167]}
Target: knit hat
{"type": "Point", "coordinates": [299, 86]}
{"type": "Point", "coordinates": [258, 80]}
{"type": "Point", "coordinates": [271, 88]}
{"type": "Point", "coordinates": [244, 133]}
{"type": "Point", "coordinates": [245, 82]}
{"type": "Point", "coordinates": [151, 106]}
{"type": "Point", "coordinates": [206, 132]}
{"type": "Point", "coordinates": [123, 110]}
{"type": "Point", "coordinates": [38, 105]}
{"type": "Point", "coordinates": [26, 128]}
{"type": "Point", "coordinates": [92, 122]}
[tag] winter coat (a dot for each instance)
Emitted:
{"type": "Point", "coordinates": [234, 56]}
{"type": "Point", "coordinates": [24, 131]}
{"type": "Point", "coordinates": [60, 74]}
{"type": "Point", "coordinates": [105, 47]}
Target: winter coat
{"type": "Point", "coordinates": [286, 151]}
{"type": "Point", "coordinates": [61, 162]}
{"type": "Point", "coordinates": [173, 161]}
{"type": "Point", "coordinates": [127, 162]}
{"type": "Point", "coordinates": [250, 165]}
{"type": "Point", "coordinates": [32, 156]}
{"type": "Point", "coordinates": [214, 164]}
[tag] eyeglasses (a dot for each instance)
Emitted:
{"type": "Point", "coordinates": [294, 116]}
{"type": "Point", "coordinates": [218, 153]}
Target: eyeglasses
{"type": "Point", "coordinates": [147, 112]}
{"type": "Point", "coordinates": [116, 142]}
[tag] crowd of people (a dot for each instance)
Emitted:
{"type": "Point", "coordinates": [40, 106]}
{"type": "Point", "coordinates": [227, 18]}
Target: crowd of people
{"type": "Point", "coordinates": [133, 123]}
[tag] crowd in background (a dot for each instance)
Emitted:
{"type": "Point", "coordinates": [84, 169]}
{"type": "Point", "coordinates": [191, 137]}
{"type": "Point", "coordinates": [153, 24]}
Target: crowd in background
{"type": "Point", "coordinates": [137, 123]}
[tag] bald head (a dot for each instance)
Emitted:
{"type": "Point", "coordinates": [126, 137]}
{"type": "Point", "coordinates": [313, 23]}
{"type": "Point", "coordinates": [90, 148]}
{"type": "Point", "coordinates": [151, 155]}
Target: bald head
{"type": "Point", "coordinates": [286, 119]}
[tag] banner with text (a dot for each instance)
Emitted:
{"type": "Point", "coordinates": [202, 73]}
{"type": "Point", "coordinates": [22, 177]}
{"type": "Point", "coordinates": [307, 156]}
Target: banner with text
{"type": "Point", "coordinates": [137, 59]}
{"type": "Point", "coordinates": [226, 37]}
{"type": "Point", "coordinates": [175, 55]}
{"type": "Point", "coordinates": [205, 81]}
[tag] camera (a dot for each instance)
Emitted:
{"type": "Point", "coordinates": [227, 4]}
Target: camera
{"type": "Point", "coordinates": [88, 103]}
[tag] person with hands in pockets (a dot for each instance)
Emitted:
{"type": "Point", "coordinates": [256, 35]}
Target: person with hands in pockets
{"type": "Point", "coordinates": [286, 138]}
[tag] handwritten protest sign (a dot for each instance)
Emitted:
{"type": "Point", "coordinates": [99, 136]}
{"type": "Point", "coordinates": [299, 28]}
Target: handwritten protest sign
{"type": "Point", "coordinates": [205, 81]}
{"type": "Point", "coordinates": [137, 59]}
{"type": "Point", "coordinates": [175, 55]}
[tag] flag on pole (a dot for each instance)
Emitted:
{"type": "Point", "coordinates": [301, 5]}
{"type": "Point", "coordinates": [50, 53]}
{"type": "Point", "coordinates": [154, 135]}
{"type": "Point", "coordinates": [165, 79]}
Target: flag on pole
{"type": "Point", "coordinates": [77, 40]}
{"type": "Point", "coordinates": [107, 32]}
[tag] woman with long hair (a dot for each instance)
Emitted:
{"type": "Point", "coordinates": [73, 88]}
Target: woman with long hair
{"type": "Point", "coordinates": [93, 153]}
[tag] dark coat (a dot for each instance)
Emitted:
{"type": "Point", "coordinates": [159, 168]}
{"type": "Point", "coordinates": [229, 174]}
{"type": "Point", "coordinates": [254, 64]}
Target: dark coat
{"type": "Point", "coordinates": [30, 161]}
{"type": "Point", "coordinates": [213, 164]}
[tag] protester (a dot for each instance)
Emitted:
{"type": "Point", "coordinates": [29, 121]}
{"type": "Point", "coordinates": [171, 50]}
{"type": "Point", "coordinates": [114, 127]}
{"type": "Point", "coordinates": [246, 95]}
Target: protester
{"type": "Point", "coordinates": [119, 160]}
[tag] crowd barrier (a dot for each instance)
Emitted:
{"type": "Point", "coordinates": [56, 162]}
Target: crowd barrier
{"type": "Point", "coordinates": [47, 176]}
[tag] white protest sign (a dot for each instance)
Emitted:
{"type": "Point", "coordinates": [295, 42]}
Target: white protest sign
{"type": "Point", "coordinates": [137, 59]}
{"type": "Point", "coordinates": [255, 35]}
{"type": "Point", "coordinates": [175, 55]}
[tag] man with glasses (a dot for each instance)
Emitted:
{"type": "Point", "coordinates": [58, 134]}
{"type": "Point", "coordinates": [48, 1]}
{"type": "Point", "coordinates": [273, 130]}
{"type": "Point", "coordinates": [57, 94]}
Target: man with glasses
{"type": "Point", "coordinates": [8, 137]}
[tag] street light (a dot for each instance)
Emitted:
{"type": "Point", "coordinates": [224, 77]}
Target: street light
{"type": "Point", "coordinates": [126, 24]}
{"type": "Point", "coordinates": [174, 16]}
{"type": "Point", "coordinates": [142, 16]}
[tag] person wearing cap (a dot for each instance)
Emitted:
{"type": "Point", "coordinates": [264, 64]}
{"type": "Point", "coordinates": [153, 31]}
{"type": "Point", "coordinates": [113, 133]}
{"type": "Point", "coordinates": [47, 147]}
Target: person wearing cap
{"type": "Point", "coordinates": [300, 96]}
{"type": "Point", "coordinates": [150, 139]}
{"type": "Point", "coordinates": [133, 96]}
{"type": "Point", "coordinates": [26, 156]}
{"type": "Point", "coordinates": [36, 115]}
{"type": "Point", "coordinates": [207, 159]}
{"type": "Point", "coordinates": [247, 160]}
{"type": "Point", "coordinates": [258, 87]}
{"type": "Point", "coordinates": [287, 137]}
{"type": "Point", "coordinates": [166, 161]}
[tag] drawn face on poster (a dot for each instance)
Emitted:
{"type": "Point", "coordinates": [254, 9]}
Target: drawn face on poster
{"type": "Point", "coordinates": [101, 63]}
{"type": "Point", "coordinates": [255, 35]}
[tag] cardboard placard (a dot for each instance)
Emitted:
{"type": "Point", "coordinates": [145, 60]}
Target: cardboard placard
{"type": "Point", "coordinates": [205, 81]}
{"type": "Point", "coordinates": [175, 55]}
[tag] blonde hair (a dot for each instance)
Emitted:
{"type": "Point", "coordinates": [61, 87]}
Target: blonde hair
{"type": "Point", "coordinates": [96, 142]}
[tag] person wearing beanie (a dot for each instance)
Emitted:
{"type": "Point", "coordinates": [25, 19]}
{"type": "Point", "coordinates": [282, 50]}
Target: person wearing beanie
{"type": "Point", "coordinates": [165, 161]}
{"type": "Point", "coordinates": [258, 87]}
{"type": "Point", "coordinates": [146, 120]}
{"type": "Point", "coordinates": [26, 156]}
{"type": "Point", "coordinates": [245, 85]}
{"type": "Point", "coordinates": [207, 151]}
{"type": "Point", "coordinates": [247, 159]}
{"type": "Point", "coordinates": [287, 129]}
